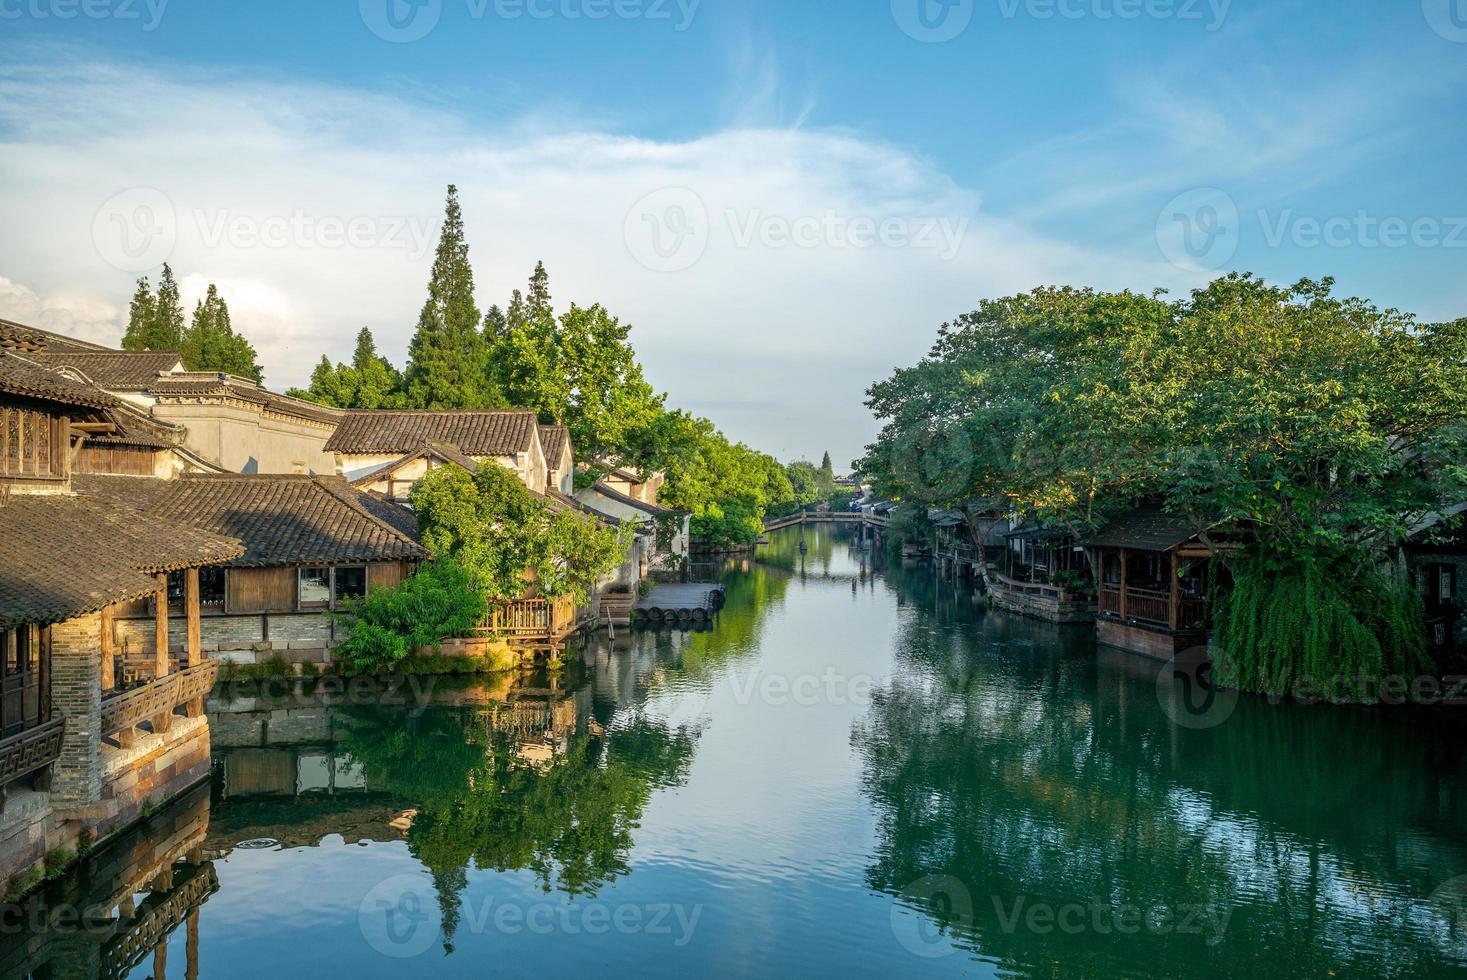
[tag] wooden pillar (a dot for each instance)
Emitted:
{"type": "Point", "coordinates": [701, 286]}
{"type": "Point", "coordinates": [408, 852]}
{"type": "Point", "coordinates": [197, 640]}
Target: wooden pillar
{"type": "Point", "coordinates": [108, 646]}
{"type": "Point", "coordinates": [191, 949]}
{"type": "Point", "coordinates": [160, 959]}
{"type": "Point", "coordinates": [1124, 576]}
{"type": "Point", "coordinates": [191, 606]}
{"type": "Point", "coordinates": [1174, 593]}
{"type": "Point", "coordinates": [160, 631]}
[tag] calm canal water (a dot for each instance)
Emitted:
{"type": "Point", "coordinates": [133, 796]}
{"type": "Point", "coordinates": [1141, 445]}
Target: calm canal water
{"type": "Point", "coordinates": [857, 772]}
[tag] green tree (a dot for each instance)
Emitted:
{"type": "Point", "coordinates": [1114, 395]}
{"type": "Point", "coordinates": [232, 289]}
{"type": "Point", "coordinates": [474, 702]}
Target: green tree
{"type": "Point", "coordinates": [155, 321]}
{"type": "Point", "coordinates": [579, 369]}
{"type": "Point", "coordinates": [510, 540]}
{"type": "Point", "coordinates": [1311, 433]}
{"type": "Point", "coordinates": [368, 382]}
{"type": "Point", "coordinates": [446, 358]}
{"type": "Point", "coordinates": [210, 343]}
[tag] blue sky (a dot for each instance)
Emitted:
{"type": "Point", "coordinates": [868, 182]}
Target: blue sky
{"type": "Point", "coordinates": [1115, 143]}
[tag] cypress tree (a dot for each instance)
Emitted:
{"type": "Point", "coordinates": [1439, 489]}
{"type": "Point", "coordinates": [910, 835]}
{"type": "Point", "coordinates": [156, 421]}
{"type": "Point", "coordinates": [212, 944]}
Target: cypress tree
{"type": "Point", "coordinates": [377, 381]}
{"type": "Point", "coordinates": [446, 359]}
{"type": "Point", "coordinates": [210, 343]}
{"type": "Point", "coordinates": [166, 332]}
{"type": "Point", "coordinates": [140, 315]}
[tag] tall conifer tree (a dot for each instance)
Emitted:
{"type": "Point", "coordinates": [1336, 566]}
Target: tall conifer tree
{"type": "Point", "coordinates": [446, 359]}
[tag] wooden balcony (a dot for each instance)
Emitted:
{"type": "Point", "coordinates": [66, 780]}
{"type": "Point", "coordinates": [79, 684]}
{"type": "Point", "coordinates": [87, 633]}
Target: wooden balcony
{"type": "Point", "coordinates": [1153, 607]}
{"type": "Point", "coordinates": [155, 701]}
{"type": "Point", "coordinates": [531, 620]}
{"type": "Point", "coordinates": [30, 754]}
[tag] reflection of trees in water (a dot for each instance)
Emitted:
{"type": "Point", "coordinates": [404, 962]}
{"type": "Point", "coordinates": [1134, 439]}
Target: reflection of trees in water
{"type": "Point", "coordinates": [1001, 755]}
{"type": "Point", "coordinates": [562, 805]}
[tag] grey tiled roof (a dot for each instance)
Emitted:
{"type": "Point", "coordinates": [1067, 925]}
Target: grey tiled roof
{"type": "Point", "coordinates": [282, 520]}
{"type": "Point", "coordinates": [20, 375]}
{"type": "Point", "coordinates": [474, 433]}
{"type": "Point", "coordinates": [125, 370]}
{"type": "Point", "coordinates": [66, 555]}
{"type": "Point", "coordinates": [553, 439]}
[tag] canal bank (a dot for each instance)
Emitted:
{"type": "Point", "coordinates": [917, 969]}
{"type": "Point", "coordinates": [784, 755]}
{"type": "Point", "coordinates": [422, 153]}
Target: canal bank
{"type": "Point", "coordinates": [858, 771]}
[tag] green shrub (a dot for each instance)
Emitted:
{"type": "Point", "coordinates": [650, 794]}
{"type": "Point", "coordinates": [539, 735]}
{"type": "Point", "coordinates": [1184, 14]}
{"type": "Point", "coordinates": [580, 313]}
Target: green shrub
{"type": "Point", "coordinates": [440, 601]}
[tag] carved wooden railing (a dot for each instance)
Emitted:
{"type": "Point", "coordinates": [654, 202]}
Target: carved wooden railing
{"type": "Point", "coordinates": [157, 699]}
{"type": "Point", "coordinates": [30, 751]}
{"type": "Point", "coordinates": [151, 925]}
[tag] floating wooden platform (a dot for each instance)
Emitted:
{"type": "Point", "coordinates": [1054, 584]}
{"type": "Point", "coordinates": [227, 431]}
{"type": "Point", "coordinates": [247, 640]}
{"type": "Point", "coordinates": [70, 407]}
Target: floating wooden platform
{"type": "Point", "coordinates": [679, 604]}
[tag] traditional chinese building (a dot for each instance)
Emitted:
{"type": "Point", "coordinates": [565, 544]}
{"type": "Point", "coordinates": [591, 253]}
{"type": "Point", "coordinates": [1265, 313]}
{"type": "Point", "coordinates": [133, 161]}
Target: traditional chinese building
{"type": "Point", "coordinates": [82, 756]}
{"type": "Point", "coordinates": [310, 544]}
{"type": "Point", "coordinates": [1154, 586]}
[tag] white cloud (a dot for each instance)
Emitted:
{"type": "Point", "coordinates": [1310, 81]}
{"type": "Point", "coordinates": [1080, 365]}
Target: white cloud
{"type": "Point", "coordinates": [315, 209]}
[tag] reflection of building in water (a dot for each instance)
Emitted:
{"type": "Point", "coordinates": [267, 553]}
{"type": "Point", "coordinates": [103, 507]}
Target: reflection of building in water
{"type": "Point", "coordinates": [124, 907]}
{"type": "Point", "coordinates": [541, 721]}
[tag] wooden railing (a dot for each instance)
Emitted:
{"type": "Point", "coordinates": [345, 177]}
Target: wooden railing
{"type": "Point", "coordinates": [1030, 588]}
{"type": "Point", "coordinates": [531, 619]}
{"type": "Point", "coordinates": [30, 751]}
{"type": "Point", "coordinates": [1154, 606]}
{"type": "Point", "coordinates": [158, 916]}
{"type": "Point", "coordinates": [157, 699]}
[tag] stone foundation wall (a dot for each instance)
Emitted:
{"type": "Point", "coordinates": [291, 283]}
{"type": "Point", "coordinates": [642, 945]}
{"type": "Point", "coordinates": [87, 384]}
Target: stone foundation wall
{"type": "Point", "coordinates": [154, 769]}
{"type": "Point", "coordinates": [240, 639]}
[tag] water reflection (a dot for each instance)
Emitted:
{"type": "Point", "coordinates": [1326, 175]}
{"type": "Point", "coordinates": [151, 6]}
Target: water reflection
{"type": "Point", "coordinates": [1007, 800]}
{"type": "Point", "coordinates": [1039, 805]}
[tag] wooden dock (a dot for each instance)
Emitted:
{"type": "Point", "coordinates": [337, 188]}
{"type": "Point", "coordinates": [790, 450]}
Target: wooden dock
{"type": "Point", "coordinates": [684, 604]}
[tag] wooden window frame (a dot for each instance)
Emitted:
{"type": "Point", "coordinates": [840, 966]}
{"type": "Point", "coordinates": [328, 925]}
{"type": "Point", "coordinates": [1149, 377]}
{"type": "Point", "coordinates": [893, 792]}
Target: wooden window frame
{"type": "Point", "coordinates": [300, 603]}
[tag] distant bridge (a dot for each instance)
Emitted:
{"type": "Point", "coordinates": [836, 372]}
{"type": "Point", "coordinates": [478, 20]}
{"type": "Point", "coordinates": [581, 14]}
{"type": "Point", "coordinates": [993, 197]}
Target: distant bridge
{"type": "Point", "coordinates": [824, 517]}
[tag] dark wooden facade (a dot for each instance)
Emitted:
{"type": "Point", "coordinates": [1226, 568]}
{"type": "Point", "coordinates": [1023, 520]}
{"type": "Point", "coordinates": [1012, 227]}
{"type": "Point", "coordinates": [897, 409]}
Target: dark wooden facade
{"type": "Point", "coordinates": [1154, 584]}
